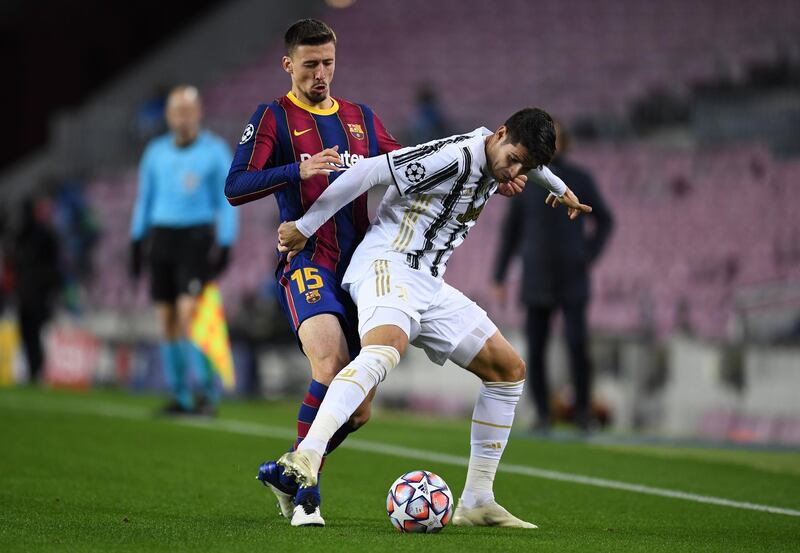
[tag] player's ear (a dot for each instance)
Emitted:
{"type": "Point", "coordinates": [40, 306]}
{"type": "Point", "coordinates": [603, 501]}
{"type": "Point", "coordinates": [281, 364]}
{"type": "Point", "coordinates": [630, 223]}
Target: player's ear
{"type": "Point", "coordinates": [286, 62]}
{"type": "Point", "coordinates": [501, 132]}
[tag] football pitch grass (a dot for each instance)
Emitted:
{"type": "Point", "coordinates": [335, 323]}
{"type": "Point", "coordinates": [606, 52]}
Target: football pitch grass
{"type": "Point", "coordinates": [97, 472]}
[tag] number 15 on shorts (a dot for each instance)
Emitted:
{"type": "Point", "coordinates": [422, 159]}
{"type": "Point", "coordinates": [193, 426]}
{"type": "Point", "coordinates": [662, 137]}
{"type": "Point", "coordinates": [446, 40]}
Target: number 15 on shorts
{"type": "Point", "coordinates": [307, 278]}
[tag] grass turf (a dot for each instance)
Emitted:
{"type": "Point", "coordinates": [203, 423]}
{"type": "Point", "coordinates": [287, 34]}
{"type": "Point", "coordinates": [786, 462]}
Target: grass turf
{"type": "Point", "coordinates": [95, 472]}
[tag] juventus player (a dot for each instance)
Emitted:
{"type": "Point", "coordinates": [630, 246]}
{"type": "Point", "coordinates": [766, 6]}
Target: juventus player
{"type": "Point", "coordinates": [436, 193]}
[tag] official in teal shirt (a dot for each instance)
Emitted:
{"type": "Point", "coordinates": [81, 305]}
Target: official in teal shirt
{"type": "Point", "coordinates": [182, 213]}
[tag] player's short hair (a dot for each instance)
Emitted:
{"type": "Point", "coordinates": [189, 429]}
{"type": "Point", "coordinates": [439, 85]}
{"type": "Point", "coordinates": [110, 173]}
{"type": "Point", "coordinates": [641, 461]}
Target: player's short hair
{"type": "Point", "coordinates": [534, 129]}
{"type": "Point", "coordinates": [309, 32]}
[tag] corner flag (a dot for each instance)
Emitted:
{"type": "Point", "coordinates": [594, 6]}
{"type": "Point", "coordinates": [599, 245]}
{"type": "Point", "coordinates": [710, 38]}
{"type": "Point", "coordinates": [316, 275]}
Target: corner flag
{"type": "Point", "coordinates": [209, 332]}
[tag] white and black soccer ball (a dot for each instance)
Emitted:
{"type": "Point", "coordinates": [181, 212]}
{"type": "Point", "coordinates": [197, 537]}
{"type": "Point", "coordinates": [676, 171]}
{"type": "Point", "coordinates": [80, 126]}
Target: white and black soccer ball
{"type": "Point", "coordinates": [419, 501]}
{"type": "Point", "coordinates": [415, 172]}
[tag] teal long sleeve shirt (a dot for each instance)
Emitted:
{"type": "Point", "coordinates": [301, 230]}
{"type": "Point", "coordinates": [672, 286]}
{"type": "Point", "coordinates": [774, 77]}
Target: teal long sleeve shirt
{"type": "Point", "coordinates": [184, 186]}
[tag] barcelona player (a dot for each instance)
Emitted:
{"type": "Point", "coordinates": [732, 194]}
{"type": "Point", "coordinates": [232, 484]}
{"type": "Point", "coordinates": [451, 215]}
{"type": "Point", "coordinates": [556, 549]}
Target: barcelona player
{"type": "Point", "coordinates": [293, 148]}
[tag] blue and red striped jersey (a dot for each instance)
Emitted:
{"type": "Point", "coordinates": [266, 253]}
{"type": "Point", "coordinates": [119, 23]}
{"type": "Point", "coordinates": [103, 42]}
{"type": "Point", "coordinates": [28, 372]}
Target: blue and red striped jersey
{"type": "Point", "coordinates": [267, 161]}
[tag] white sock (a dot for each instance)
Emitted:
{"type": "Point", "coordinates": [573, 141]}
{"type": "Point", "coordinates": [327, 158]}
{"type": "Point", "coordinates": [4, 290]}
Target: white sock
{"type": "Point", "coordinates": [491, 425]}
{"type": "Point", "coordinates": [346, 393]}
{"type": "Point", "coordinates": [480, 479]}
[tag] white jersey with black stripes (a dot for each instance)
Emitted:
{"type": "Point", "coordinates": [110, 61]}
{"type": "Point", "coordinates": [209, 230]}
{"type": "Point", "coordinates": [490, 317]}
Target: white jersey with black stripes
{"type": "Point", "coordinates": [436, 191]}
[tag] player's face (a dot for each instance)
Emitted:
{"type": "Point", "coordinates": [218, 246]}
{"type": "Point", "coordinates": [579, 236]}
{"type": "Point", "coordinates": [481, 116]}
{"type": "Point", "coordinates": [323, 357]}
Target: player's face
{"type": "Point", "coordinates": [506, 160]}
{"type": "Point", "coordinates": [184, 114]}
{"type": "Point", "coordinates": [311, 68]}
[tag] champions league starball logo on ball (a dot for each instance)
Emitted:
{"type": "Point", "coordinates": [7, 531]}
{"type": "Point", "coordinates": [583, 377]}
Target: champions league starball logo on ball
{"type": "Point", "coordinates": [415, 172]}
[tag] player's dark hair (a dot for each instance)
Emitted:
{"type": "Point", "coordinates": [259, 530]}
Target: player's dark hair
{"type": "Point", "coordinates": [534, 129]}
{"type": "Point", "coordinates": [309, 32]}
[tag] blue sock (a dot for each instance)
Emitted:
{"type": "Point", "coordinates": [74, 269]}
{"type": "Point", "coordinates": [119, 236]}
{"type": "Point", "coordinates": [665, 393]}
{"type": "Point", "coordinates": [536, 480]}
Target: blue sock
{"type": "Point", "coordinates": [174, 368]}
{"type": "Point", "coordinates": [308, 409]}
{"type": "Point", "coordinates": [203, 370]}
{"type": "Point", "coordinates": [306, 415]}
{"type": "Point", "coordinates": [303, 493]}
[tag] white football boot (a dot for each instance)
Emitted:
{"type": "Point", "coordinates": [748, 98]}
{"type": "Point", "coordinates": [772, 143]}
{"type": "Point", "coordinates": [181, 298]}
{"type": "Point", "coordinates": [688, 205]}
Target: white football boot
{"type": "Point", "coordinates": [488, 514]}
{"type": "Point", "coordinates": [285, 503]}
{"type": "Point", "coordinates": [303, 465]}
{"type": "Point", "coordinates": [307, 513]}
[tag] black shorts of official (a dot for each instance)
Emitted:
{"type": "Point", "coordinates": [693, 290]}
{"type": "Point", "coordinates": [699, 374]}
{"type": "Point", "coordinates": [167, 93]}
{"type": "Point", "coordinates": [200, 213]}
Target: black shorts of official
{"type": "Point", "coordinates": [179, 261]}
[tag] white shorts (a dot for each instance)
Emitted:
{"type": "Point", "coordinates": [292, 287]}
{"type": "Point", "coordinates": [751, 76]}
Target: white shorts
{"type": "Point", "coordinates": [435, 316]}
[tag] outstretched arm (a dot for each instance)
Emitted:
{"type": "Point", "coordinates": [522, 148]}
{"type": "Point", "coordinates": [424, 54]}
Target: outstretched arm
{"type": "Point", "coordinates": [365, 174]}
{"type": "Point", "coordinates": [559, 192]}
{"type": "Point", "coordinates": [548, 180]}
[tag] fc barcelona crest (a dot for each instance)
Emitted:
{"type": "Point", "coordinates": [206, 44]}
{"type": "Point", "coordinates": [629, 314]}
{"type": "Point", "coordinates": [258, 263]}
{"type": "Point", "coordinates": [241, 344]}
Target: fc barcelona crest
{"type": "Point", "coordinates": [313, 296]}
{"type": "Point", "coordinates": [356, 130]}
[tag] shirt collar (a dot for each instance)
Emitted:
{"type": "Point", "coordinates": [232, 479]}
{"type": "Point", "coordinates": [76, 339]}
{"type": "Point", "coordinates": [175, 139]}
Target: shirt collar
{"type": "Point", "coordinates": [479, 149]}
{"type": "Point", "coordinates": [311, 109]}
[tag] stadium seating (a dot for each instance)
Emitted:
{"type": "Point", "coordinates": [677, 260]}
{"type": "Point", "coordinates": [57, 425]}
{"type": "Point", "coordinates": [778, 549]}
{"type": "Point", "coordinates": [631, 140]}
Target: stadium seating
{"type": "Point", "coordinates": [691, 228]}
{"type": "Point", "coordinates": [572, 57]}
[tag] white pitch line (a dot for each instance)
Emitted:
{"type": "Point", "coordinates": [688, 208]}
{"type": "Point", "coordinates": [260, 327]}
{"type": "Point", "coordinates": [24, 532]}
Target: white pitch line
{"type": "Point", "coordinates": [265, 431]}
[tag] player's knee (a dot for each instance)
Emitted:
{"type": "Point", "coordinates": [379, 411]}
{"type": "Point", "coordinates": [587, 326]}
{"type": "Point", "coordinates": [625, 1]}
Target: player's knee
{"type": "Point", "coordinates": [324, 368]}
{"type": "Point", "coordinates": [516, 370]}
{"type": "Point", "coordinates": [509, 370]}
{"type": "Point", "coordinates": [399, 343]}
{"type": "Point", "coordinates": [393, 331]}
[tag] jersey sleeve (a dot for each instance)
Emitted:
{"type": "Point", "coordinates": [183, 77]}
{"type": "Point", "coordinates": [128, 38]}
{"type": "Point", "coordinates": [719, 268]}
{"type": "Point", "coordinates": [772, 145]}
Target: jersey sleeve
{"type": "Point", "coordinates": [386, 142]}
{"type": "Point", "coordinates": [250, 177]}
{"type": "Point", "coordinates": [227, 216]}
{"type": "Point", "coordinates": [352, 183]}
{"type": "Point", "coordinates": [140, 220]}
{"type": "Point", "coordinates": [548, 180]}
{"type": "Point", "coordinates": [425, 168]}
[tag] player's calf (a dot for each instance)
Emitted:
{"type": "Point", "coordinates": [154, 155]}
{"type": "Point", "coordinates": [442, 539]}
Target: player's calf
{"type": "Point", "coordinates": [362, 414]}
{"type": "Point", "coordinates": [502, 371]}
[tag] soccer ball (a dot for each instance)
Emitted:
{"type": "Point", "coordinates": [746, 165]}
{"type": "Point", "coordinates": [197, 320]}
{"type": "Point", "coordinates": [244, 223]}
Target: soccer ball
{"type": "Point", "coordinates": [419, 501]}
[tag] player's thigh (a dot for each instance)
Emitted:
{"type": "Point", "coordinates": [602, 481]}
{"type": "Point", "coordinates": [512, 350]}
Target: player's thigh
{"type": "Point", "coordinates": [390, 294]}
{"type": "Point", "coordinates": [449, 320]}
{"type": "Point", "coordinates": [321, 314]}
{"type": "Point", "coordinates": [324, 343]}
{"type": "Point", "coordinates": [497, 361]}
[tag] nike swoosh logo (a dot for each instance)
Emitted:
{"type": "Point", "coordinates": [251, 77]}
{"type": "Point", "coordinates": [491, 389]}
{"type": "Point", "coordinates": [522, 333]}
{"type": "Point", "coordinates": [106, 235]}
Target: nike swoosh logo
{"type": "Point", "coordinates": [300, 133]}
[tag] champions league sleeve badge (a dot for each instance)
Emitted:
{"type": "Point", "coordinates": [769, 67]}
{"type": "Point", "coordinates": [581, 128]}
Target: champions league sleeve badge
{"type": "Point", "coordinates": [248, 133]}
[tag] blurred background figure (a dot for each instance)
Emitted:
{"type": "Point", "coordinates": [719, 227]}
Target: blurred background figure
{"type": "Point", "coordinates": [557, 256]}
{"type": "Point", "coordinates": [179, 201]}
{"type": "Point", "coordinates": [149, 118]}
{"type": "Point", "coordinates": [78, 231]}
{"type": "Point", "coordinates": [429, 121]}
{"type": "Point", "coordinates": [36, 278]}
